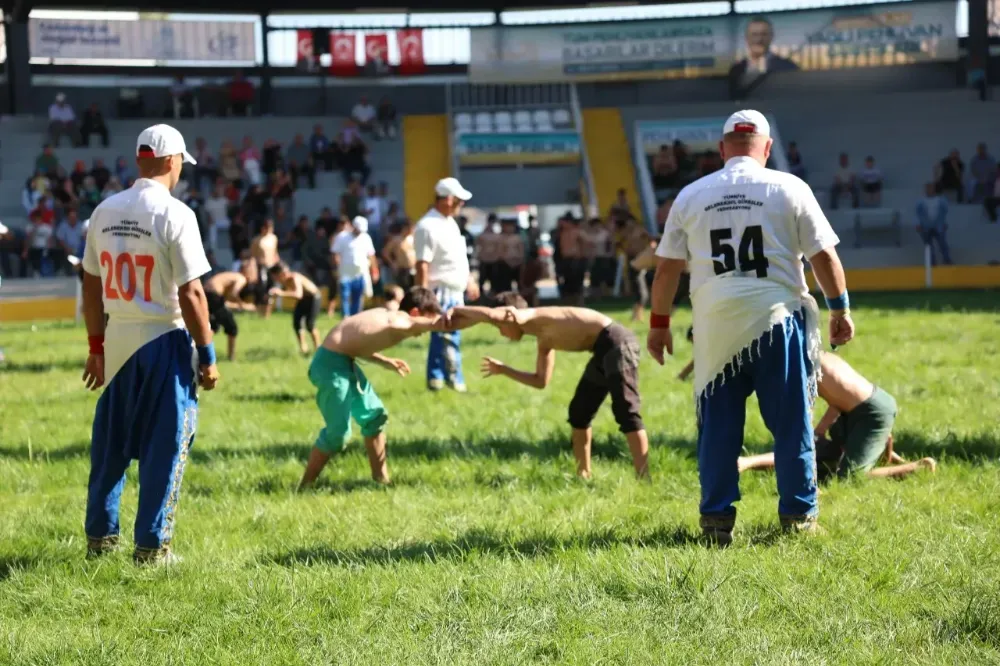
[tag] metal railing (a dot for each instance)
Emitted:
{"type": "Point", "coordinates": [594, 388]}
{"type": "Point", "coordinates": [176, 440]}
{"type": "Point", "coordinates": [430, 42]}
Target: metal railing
{"type": "Point", "coordinates": [646, 192]}
{"type": "Point", "coordinates": [593, 204]}
{"type": "Point", "coordinates": [493, 96]}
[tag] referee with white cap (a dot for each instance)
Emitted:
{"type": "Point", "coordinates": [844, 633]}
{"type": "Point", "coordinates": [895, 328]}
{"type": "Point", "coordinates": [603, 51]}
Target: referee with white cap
{"type": "Point", "coordinates": [443, 266]}
{"type": "Point", "coordinates": [743, 231]}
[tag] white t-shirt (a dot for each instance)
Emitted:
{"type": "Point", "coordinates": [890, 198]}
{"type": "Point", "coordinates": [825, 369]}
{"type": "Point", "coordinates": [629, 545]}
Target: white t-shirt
{"type": "Point", "coordinates": [363, 113]}
{"type": "Point", "coordinates": [143, 243]}
{"type": "Point", "coordinates": [373, 210]}
{"type": "Point", "coordinates": [354, 252]}
{"type": "Point", "coordinates": [40, 235]}
{"type": "Point", "coordinates": [218, 209]}
{"type": "Point", "coordinates": [63, 114]}
{"type": "Point", "coordinates": [438, 241]}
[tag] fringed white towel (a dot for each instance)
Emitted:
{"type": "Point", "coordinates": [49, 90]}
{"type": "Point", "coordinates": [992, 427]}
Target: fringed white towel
{"type": "Point", "coordinates": [733, 314]}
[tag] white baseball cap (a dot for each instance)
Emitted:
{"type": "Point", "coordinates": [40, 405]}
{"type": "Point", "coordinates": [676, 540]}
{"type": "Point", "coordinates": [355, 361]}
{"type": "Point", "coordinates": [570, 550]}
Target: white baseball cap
{"type": "Point", "coordinates": [3, 229]}
{"type": "Point", "coordinates": [163, 141]}
{"type": "Point", "coordinates": [450, 187]}
{"type": "Point", "coordinates": [360, 224]}
{"type": "Point", "coordinates": [747, 121]}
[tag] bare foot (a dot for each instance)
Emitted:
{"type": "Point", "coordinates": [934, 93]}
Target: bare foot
{"type": "Point", "coordinates": [741, 464]}
{"type": "Point", "coordinates": [583, 474]}
{"type": "Point", "coordinates": [382, 479]}
{"type": "Point", "coordinates": [928, 464]}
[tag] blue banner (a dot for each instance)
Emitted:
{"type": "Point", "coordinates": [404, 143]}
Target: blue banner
{"type": "Point", "coordinates": [518, 148]}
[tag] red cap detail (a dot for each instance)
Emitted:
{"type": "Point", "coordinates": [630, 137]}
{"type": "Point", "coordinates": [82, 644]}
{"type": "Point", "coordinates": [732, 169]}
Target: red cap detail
{"type": "Point", "coordinates": [749, 128]}
{"type": "Point", "coordinates": [146, 153]}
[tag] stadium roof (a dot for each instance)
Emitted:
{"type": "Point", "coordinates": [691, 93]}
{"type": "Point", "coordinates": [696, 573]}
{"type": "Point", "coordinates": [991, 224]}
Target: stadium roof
{"type": "Point", "coordinates": [311, 6]}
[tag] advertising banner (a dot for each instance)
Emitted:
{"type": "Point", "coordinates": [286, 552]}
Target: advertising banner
{"type": "Point", "coordinates": [507, 149]}
{"type": "Point", "coordinates": [144, 39]}
{"type": "Point", "coordinates": [742, 46]}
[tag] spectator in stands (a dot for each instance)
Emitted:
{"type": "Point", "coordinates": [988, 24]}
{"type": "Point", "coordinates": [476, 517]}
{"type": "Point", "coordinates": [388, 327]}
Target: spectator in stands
{"type": "Point", "coordinates": [685, 163]}
{"type": "Point", "coordinates": [69, 241]}
{"type": "Point", "coordinates": [282, 189]}
{"type": "Point", "coordinates": [241, 94]}
{"type": "Point", "coordinates": [38, 243]}
{"type": "Point", "coordinates": [254, 205]}
{"type": "Point", "coordinates": [983, 169]}
{"type": "Point", "coordinates": [229, 164]}
{"type": "Point", "coordinates": [182, 96]}
{"type": "Point", "coordinates": [12, 244]}
{"type": "Point", "coordinates": [316, 256]}
{"type": "Point", "coordinates": [300, 162]}
{"type": "Point", "coordinates": [871, 183]}
{"type": "Point", "coordinates": [206, 171]}
{"type": "Point", "coordinates": [216, 214]}
{"type": "Point", "coordinates": [664, 167]}
{"type": "Point", "coordinates": [932, 222]}
{"type": "Point", "coordinates": [400, 254]}
{"type": "Point", "coordinates": [795, 165]}
{"type": "Point", "coordinates": [113, 187]}
{"type": "Point", "coordinates": [92, 122]}
{"type": "Point", "coordinates": [321, 148]}
{"type": "Point", "coordinates": [364, 115]}
{"type": "Point", "coordinates": [392, 216]}
{"type": "Point", "coordinates": [250, 162]}
{"type": "Point", "coordinates": [298, 238]}
{"type": "Point", "coordinates": [90, 197]}
{"type": "Point", "coordinates": [239, 235]}
{"type": "Point", "coordinates": [100, 172]}
{"type": "Point", "coordinates": [62, 122]}
{"type": "Point", "coordinates": [272, 159]}
{"type": "Point", "coordinates": [124, 172]}
{"type": "Point", "coordinates": [373, 209]}
{"type": "Point", "coordinates": [327, 221]}
{"type": "Point", "coordinates": [385, 125]}
{"type": "Point", "coordinates": [600, 256]}
{"type": "Point", "coordinates": [511, 256]}
{"type": "Point", "coordinates": [284, 225]}
{"type": "Point", "coordinates": [992, 202]}
{"type": "Point", "coordinates": [64, 195]}
{"type": "Point", "coordinates": [47, 163]}
{"type": "Point", "coordinates": [488, 251]}
{"type": "Point", "coordinates": [620, 207]}
{"type": "Point", "coordinates": [78, 174]}
{"type": "Point", "coordinates": [844, 182]}
{"type": "Point", "coordinates": [350, 201]}
{"type": "Point", "coordinates": [949, 174]}
{"type": "Point", "coordinates": [352, 153]}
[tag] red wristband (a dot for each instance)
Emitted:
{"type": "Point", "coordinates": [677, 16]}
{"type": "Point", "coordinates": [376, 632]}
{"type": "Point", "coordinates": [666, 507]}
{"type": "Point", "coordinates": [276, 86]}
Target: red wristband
{"type": "Point", "coordinates": [96, 343]}
{"type": "Point", "coordinates": [659, 321]}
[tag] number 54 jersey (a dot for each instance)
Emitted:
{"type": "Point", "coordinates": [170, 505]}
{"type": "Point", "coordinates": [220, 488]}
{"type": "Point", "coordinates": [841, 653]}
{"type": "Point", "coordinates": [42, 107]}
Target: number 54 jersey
{"type": "Point", "coordinates": [746, 221]}
{"type": "Point", "coordinates": [142, 243]}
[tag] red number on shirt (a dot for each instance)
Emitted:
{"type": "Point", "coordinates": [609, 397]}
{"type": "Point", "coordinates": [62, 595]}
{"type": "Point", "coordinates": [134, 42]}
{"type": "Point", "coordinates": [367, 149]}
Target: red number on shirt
{"type": "Point", "coordinates": [115, 268]}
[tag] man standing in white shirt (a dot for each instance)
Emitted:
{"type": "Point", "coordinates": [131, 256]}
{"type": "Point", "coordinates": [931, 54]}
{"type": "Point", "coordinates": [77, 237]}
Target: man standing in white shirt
{"type": "Point", "coordinates": [142, 267]}
{"type": "Point", "coordinates": [354, 255]}
{"type": "Point", "coordinates": [743, 231]}
{"type": "Point", "coordinates": [364, 114]}
{"type": "Point", "coordinates": [443, 266]}
{"type": "Point", "coordinates": [62, 121]}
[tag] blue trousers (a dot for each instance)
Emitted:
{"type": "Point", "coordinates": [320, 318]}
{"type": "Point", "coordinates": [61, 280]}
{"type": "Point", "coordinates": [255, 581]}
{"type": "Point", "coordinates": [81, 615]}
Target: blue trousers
{"type": "Point", "coordinates": [444, 356]}
{"type": "Point", "coordinates": [352, 295]}
{"type": "Point", "coordinates": [779, 374]}
{"type": "Point", "coordinates": [148, 412]}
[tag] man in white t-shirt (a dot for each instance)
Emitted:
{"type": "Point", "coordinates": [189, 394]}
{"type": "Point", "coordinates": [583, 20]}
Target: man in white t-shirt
{"type": "Point", "coordinates": [62, 121]}
{"type": "Point", "coordinates": [743, 231]}
{"type": "Point", "coordinates": [373, 207]}
{"type": "Point", "coordinates": [443, 266]}
{"type": "Point", "coordinates": [142, 267]}
{"type": "Point", "coordinates": [354, 255]}
{"type": "Point", "coordinates": [364, 114]}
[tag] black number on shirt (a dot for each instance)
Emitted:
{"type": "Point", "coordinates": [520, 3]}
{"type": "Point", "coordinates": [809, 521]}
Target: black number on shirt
{"type": "Point", "coordinates": [752, 242]}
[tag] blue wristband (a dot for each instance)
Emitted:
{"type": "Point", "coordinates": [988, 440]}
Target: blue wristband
{"type": "Point", "coordinates": [841, 302]}
{"type": "Point", "coordinates": [206, 354]}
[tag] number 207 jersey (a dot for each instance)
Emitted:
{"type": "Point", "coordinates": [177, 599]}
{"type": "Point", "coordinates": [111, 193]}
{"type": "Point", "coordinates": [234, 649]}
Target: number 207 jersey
{"type": "Point", "coordinates": [746, 221]}
{"type": "Point", "coordinates": [143, 243]}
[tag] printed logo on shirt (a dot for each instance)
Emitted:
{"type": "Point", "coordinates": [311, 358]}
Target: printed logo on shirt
{"type": "Point", "coordinates": [733, 202]}
{"type": "Point", "coordinates": [127, 229]}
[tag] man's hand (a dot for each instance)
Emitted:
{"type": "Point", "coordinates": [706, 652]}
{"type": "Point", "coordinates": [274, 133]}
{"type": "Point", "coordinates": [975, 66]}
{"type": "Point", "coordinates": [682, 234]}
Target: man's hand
{"type": "Point", "coordinates": [656, 340]}
{"type": "Point", "coordinates": [841, 328]}
{"type": "Point", "coordinates": [491, 367]}
{"type": "Point", "coordinates": [472, 293]}
{"type": "Point", "coordinates": [208, 376]}
{"type": "Point", "coordinates": [399, 365]}
{"type": "Point", "coordinates": [93, 372]}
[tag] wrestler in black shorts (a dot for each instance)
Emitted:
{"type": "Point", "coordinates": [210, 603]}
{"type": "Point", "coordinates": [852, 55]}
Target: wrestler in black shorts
{"type": "Point", "coordinates": [614, 369]}
{"type": "Point", "coordinates": [219, 315]}
{"type": "Point", "coordinates": [305, 313]}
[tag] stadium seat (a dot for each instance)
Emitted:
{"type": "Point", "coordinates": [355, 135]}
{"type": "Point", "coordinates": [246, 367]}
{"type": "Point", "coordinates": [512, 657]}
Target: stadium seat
{"type": "Point", "coordinates": [484, 122]}
{"type": "Point", "coordinates": [522, 120]}
{"type": "Point", "coordinates": [562, 118]}
{"type": "Point", "coordinates": [542, 119]}
{"type": "Point", "coordinates": [463, 122]}
{"type": "Point", "coordinates": [503, 121]}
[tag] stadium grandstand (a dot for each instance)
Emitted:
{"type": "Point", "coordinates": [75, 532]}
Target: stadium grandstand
{"type": "Point", "coordinates": [546, 115]}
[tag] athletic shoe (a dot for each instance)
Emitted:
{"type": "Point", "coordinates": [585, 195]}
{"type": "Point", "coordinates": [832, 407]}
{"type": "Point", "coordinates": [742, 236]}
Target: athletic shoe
{"type": "Point", "coordinates": [458, 387]}
{"type": "Point", "coordinates": [435, 384]}
{"type": "Point", "coordinates": [100, 546]}
{"type": "Point", "coordinates": [717, 530]}
{"type": "Point", "coordinates": [800, 524]}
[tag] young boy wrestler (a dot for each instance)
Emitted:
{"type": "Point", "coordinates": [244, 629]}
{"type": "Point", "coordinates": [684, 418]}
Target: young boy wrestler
{"type": "Point", "coordinates": [343, 390]}
{"type": "Point", "coordinates": [613, 368]}
{"type": "Point", "coordinates": [298, 286]}
{"type": "Point", "coordinates": [221, 290]}
{"type": "Point", "coordinates": [858, 420]}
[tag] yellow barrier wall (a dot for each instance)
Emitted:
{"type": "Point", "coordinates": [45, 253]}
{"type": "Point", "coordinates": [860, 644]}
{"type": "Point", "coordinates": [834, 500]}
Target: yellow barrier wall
{"type": "Point", "coordinates": [425, 161]}
{"type": "Point", "coordinates": [610, 159]}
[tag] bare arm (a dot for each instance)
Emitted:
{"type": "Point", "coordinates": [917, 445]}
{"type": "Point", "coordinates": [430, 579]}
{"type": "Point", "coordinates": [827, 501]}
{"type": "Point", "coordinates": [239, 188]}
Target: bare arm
{"type": "Point", "coordinates": [296, 293]}
{"type": "Point", "coordinates": [422, 278]}
{"type": "Point", "coordinates": [416, 325]}
{"type": "Point", "coordinates": [665, 283]}
{"type": "Point", "coordinates": [539, 379]}
{"type": "Point", "coordinates": [829, 272]}
{"type": "Point", "coordinates": [829, 417]}
{"type": "Point", "coordinates": [93, 304]}
{"type": "Point", "coordinates": [470, 315]}
{"type": "Point", "coordinates": [194, 310]}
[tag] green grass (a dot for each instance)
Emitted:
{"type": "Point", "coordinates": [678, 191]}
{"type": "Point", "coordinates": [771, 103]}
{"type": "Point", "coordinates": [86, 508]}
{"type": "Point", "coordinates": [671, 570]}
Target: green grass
{"type": "Point", "coordinates": [487, 550]}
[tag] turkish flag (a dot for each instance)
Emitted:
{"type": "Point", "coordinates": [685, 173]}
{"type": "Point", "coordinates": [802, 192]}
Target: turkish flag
{"type": "Point", "coordinates": [411, 51]}
{"type": "Point", "coordinates": [377, 49]}
{"type": "Point", "coordinates": [304, 51]}
{"type": "Point", "coordinates": [342, 60]}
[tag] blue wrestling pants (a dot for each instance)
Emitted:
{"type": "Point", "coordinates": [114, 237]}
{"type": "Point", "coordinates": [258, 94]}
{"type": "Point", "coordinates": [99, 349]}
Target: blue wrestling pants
{"type": "Point", "coordinates": [444, 356]}
{"type": "Point", "coordinates": [148, 412]}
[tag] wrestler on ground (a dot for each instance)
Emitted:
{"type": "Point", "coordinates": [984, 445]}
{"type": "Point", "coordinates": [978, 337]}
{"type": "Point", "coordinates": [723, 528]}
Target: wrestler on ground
{"type": "Point", "coordinates": [297, 286]}
{"type": "Point", "coordinates": [856, 430]}
{"type": "Point", "coordinates": [343, 390]}
{"type": "Point", "coordinates": [613, 366]}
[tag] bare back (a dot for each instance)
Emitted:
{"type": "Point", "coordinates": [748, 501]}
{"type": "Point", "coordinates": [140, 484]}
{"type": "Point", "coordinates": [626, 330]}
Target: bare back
{"type": "Point", "coordinates": [563, 328]}
{"type": "Point", "coordinates": [308, 286]}
{"type": "Point", "coordinates": [369, 332]}
{"type": "Point", "coordinates": [265, 250]}
{"type": "Point", "coordinates": [226, 284]}
{"type": "Point", "coordinates": [841, 385]}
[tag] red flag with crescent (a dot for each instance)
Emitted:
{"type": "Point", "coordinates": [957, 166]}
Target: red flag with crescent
{"type": "Point", "coordinates": [304, 46]}
{"type": "Point", "coordinates": [342, 57]}
{"type": "Point", "coordinates": [411, 51]}
{"type": "Point", "coordinates": [377, 48]}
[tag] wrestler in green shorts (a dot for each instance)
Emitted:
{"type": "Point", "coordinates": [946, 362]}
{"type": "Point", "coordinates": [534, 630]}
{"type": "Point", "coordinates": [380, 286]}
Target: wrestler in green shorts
{"type": "Point", "coordinates": [343, 392]}
{"type": "Point", "coordinates": [857, 438]}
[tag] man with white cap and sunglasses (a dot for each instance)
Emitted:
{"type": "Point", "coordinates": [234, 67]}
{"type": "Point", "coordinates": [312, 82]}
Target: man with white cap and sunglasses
{"type": "Point", "coordinates": [142, 267]}
{"type": "Point", "coordinates": [744, 231]}
{"type": "Point", "coordinates": [443, 266]}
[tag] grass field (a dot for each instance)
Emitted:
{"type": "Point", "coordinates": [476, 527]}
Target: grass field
{"type": "Point", "coordinates": [487, 550]}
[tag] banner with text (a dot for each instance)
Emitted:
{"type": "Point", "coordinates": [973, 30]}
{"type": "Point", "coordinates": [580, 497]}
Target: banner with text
{"type": "Point", "coordinates": [528, 148]}
{"type": "Point", "coordinates": [144, 39]}
{"type": "Point", "coordinates": [743, 46]}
